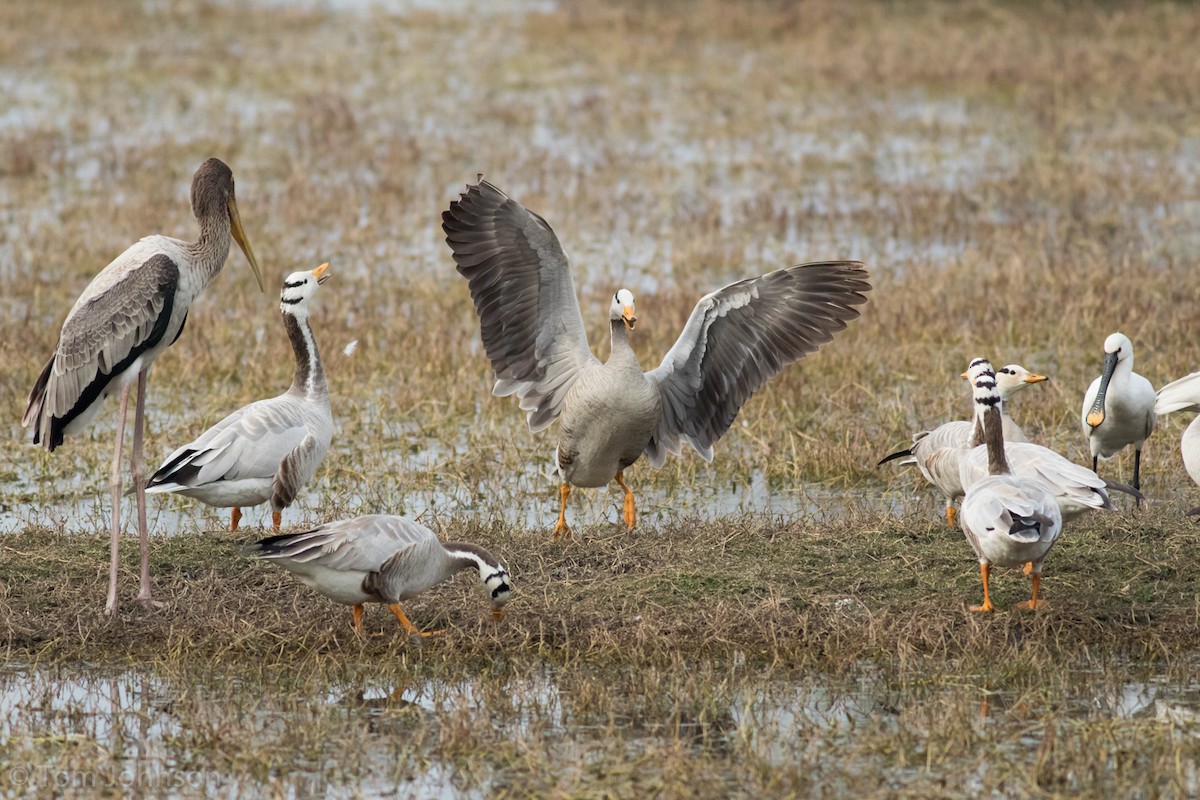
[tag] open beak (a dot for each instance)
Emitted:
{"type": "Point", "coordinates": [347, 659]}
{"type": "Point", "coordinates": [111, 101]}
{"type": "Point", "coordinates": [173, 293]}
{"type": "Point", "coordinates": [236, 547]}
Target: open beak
{"type": "Point", "coordinates": [239, 235]}
{"type": "Point", "coordinates": [630, 319]}
{"type": "Point", "coordinates": [322, 273]}
{"type": "Point", "coordinates": [1096, 415]}
{"type": "Point", "coordinates": [497, 613]}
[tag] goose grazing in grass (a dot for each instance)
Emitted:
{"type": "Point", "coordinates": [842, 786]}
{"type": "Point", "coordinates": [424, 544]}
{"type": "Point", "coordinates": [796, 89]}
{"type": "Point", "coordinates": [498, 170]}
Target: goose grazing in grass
{"type": "Point", "coordinates": [380, 559]}
{"type": "Point", "coordinates": [270, 449]}
{"type": "Point", "coordinates": [612, 413]}
{"type": "Point", "coordinates": [132, 311]}
{"type": "Point", "coordinates": [937, 452]}
{"type": "Point", "coordinates": [1184, 395]}
{"type": "Point", "coordinates": [1118, 408]}
{"type": "Point", "coordinates": [1009, 520]}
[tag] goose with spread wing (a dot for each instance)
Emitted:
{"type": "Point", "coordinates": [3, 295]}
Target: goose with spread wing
{"type": "Point", "coordinates": [270, 449]}
{"type": "Point", "coordinates": [611, 413]}
{"type": "Point", "coordinates": [131, 312]}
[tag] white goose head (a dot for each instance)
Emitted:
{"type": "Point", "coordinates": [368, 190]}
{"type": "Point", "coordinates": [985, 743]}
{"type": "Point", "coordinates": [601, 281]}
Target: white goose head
{"type": "Point", "coordinates": [1012, 378]}
{"type": "Point", "coordinates": [622, 308]}
{"type": "Point", "coordinates": [298, 289]}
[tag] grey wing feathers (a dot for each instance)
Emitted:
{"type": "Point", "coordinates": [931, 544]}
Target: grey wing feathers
{"type": "Point", "coordinates": [520, 281]}
{"type": "Point", "coordinates": [739, 337]}
{"type": "Point", "coordinates": [1020, 516]}
{"type": "Point", "coordinates": [362, 544]}
{"type": "Point", "coordinates": [249, 443]}
{"type": "Point", "coordinates": [104, 333]}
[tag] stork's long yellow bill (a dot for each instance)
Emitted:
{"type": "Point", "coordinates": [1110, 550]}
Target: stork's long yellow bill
{"type": "Point", "coordinates": [239, 235]}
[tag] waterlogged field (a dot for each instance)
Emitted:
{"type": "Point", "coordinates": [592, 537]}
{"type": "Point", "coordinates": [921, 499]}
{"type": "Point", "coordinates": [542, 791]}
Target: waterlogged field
{"type": "Point", "coordinates": [788, 620]}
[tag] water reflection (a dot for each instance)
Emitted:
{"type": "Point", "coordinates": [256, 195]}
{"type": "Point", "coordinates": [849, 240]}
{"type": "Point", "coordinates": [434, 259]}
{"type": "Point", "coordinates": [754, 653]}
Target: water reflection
{"type": "Point", "coordinates": [137, 728]}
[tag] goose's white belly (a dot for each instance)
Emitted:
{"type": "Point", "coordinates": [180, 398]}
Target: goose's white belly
{"type": "Point", "coordinates": [340, 586]}
{"type": "Point", "coordinates": [607, 422]}
{"type": "Point", "coordinates": [242, 492]}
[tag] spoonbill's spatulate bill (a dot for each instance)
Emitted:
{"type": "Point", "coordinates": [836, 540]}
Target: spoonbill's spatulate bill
{"type": "Point", "coordinates": [612, 413]}
{"type": "Point", "coordinates": [132, 311]}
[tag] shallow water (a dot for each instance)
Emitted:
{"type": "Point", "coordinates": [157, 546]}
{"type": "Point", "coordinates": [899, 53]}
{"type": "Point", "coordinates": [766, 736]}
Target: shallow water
{"type": "Point", "coordinates": [79, 728]}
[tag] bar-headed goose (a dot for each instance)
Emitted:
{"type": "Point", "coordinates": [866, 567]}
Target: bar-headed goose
{"type": "Point", "coordinates": [937, 452]}
{"type": "Point", "coordinates": [270, 449]}
{"type": "Point", "coordinates": [1008, 520]}
{"type": "Point", "coordinates": [380, 559]}
{"type": "Point", "coordinates": [612, 413]}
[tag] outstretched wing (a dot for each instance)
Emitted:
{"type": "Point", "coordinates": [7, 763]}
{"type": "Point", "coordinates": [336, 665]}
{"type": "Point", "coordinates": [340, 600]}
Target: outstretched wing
{"type": "Point", "coordinates": [123, 313]}
{"type": "Point", "coordinates": [520, 281]}
{"type": "Point", "coordinates": [740, 336]}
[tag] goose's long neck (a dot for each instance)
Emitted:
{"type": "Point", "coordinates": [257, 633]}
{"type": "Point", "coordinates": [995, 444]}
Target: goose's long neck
{"type": "Point", "coordinates": [309, 380]}
{"type": "Point", "coordinates": [993, 431]}
{"type": "Point", "coordinates": [211, 249]}
{"type": "Point", "coordinates": [622, 354]}
{"type": "Point", "coordinates": [978, 434]}
{"type": "Point", "coordinates": [462, 556]}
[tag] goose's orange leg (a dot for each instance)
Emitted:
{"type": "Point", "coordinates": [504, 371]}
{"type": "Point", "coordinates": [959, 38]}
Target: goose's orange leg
{"type": "Point", "coordinates": [984, 570]}
{"type": "Point", "coordinates": [1033, 602]}
{"type": "Point", "coordinates": [561, 531]}
{"type": "Point", "coordinates": [358, 615]}
{"type": "Point", "coordinates": [407, 624]}
{"type": "Point", "coordinates": [951, 514]}
{"type": "Point", "coordinates": [276, 518]}
{"type": "Point", "coordinates": [630, 509]}
{"type": "Point", "coordinates": [234, 518]}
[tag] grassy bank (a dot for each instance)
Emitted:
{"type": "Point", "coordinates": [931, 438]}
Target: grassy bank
{"type": "Point", "coordinates": [747, 656]}
{"type": "Point", "coordinates": [797, 593]}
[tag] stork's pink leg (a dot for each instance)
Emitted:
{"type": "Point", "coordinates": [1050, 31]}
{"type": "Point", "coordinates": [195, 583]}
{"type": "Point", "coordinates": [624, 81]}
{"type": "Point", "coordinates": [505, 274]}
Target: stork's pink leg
{"type": "Point", "coordinates": [110, 606]}
{"type": "Point", "coordinates": [139, 488]}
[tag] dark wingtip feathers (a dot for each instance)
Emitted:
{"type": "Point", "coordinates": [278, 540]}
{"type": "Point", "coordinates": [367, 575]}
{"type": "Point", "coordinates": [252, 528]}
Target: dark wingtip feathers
{"type": "Point", "coordinates": [894, 456]}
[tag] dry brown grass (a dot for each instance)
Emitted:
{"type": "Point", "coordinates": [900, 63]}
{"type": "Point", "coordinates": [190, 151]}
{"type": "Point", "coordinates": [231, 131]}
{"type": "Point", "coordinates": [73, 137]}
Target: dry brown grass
{"type": "Point", "coordinates": [1021, 180]}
